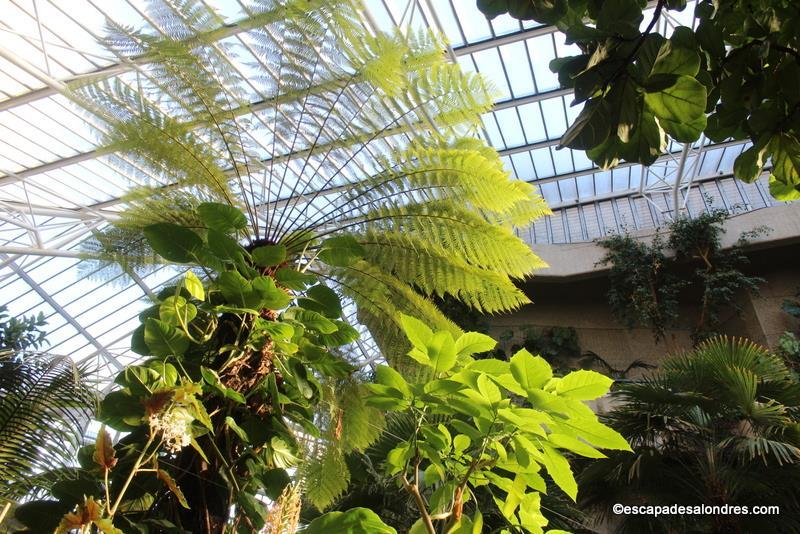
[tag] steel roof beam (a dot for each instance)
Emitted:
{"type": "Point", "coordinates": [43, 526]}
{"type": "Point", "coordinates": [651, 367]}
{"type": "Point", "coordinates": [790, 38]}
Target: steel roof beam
{"type": "Point", "coordinates": [208, 37]}
{"type": "Point", "coordinates": [59, 309]}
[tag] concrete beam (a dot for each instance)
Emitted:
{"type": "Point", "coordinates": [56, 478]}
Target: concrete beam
{"type": "Point", "coordinates": [578, 260]}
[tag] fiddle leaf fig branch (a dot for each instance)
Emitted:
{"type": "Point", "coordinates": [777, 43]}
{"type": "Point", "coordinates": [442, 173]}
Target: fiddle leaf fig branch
{"type": "Point", "coordinates": [733, 74]}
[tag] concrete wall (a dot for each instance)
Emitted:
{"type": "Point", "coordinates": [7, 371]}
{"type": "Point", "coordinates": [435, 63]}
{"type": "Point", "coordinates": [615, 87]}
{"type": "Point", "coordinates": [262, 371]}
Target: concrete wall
{"type": "Point", "coordinates": [572, 292]}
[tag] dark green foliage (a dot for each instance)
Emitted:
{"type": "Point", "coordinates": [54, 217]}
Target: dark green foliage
{"type": "Point", "coordinates": [45, 403]}
{"type": "Point", "coordinates": [643, 290]}
{"type": "Point", "coordinates": [647, 283]}
{"type": "Point", "coordinates": [237, 368]}
{"type": "Point", "coordinates": [715, 426]}
{"type": "Point", "coordinates": [19, 334]}
{"type": "Point", "coordinates": [789, 344]}
{"type": "Point", "coordinates": [735, 74]}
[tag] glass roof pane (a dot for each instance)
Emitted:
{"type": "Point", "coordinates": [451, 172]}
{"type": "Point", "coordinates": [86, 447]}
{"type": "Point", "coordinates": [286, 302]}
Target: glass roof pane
{"type": "Point", "coordinates": [519, 73]}
{"type": "Point", "coordinates": [473, 23]}
{"type": "Point", "coordinates": [541, 52]}
{"type": "Point", "coordinates": [490, 65]}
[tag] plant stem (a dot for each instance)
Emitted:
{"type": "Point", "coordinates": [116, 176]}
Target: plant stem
{"type": "Point", "coordinates": [6, 508]}
{"type": "Point", "coordinates": [413, 489]}
{"type": "Point", "coordinates": [136, 465]}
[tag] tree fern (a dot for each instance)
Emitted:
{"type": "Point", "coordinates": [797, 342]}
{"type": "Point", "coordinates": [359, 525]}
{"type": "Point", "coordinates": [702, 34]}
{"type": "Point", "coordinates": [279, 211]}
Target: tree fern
{"type": "Point", "coordinates": [341, 132]}
{"type": "Point", "coordinates": [350, 425]}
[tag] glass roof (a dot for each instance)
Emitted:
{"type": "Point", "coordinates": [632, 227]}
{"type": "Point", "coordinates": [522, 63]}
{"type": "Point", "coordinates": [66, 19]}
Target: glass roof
{"type": "Point", "coordinates": [56, 187]}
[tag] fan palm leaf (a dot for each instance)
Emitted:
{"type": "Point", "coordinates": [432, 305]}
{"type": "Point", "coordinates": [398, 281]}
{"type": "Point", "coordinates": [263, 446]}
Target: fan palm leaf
{"type": "Point", "coordinates": [717, 425]}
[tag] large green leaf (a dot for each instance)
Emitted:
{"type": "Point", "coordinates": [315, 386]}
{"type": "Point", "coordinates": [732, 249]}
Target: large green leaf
{"type": "Point", "coordinates": [417, 332]}
{"type": "Point", "coordinates": [559, 470]}
{"type": "Point", "coordinates": [164, 339]}
{"type": "Point", "coordinates": [750, 163]}
{"type": "Point", "coordinates": [176, 310]}
{"type": "Point", "coordinates": [785, 167]}
{"type": "Point", "coordinates": [270, 296]}
{"type": "Point", "coordinates": [675, 59]}
{"type": "Point", "coordinates": [583, 385]}
{"type": "Point", "coordinates": [312, 320]}
{"type": "Point", "coordinates": [531, 372]}
{"type": "Point", "coordinates": [389, 377]}
{"type": "Point", "coordinates": [194, 286]}
{"type": "Point", "coordinates": [221, 217]}
{"type": "Point", "coordinates": [470, 343]}
{"type": "Point", "coordinates": [294, 279]}
{"type": "Point", "coordinates": [441, 350]}
{"type": "Point", "coordinates": [225, 248]}
{"type": "Point", "coordinates": [353, 521]}
{"type": "Point", "coordinates": [173, 242]}
{"type": "Point", "coordinates": [269, 255]}
{"type": "Point", "coordinates": [685, 101]}
{"type": "Point", "coordinates": [591, 127]}
{"type": "Point", "coordinates": [320, 298]}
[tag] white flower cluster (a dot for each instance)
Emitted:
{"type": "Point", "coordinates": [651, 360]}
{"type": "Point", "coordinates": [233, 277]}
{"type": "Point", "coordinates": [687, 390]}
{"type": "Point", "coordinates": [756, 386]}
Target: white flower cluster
{"type": "Point", "coordinates": [176, 428]}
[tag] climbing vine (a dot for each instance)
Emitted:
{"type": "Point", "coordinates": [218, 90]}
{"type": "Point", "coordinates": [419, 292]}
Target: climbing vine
{"type": "Point", "coordinates": [650, 281]}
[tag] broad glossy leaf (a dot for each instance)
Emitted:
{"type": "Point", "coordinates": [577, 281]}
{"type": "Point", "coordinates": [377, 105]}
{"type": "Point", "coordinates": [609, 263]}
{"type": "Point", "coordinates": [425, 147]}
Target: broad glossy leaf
{"type": "Point", "coordinates": [177, 311]}
{"type": "Point", "coordinates": [750, 163]}
{"type": "Point", "coordinates": [491, 366]}
{"type": "Point", "coordinates": [164, 339]}
{"type": "Point", "coordinates": [294, 279]}
{"type": "Point", "coordinates": [269, 255]}
{"type": "Point", "coordinates": [684, 101]}
{"type": "Point", "coordinates": [270, 296]}
{"type": "Point", "coordinates": [575, 445]}
{"type": "Point", "coordinates": [344, 334]}
{"type": "Point", "coordinates": [595, 433]}
{"type": "Point", "coordinates": [322, 299]}
{"type": "Point", "coordinates": [173, 242]}
{"type": "Point", "coordinates": [785, 167]}
{"type": "Point", "coordinates": [488, 389]}
{"type": "Point", "coordinates": [684, 131]}
{"type": "Point", "coordinates": [389, 377]}
{"type": "Point", "coordinates": [224, 248]}
{"type": "Point", "coordinates": [353, 521]}
{"type": "Point", "coordinates": [221, 217]}
{"type": "Point", "coordinates": [559, 470]}
{"type": "Point", "coordinates": [584, 385]}
{"type": "Point", "coordinates": [675, 59]}
{"type": "Point", "coordinates": [591, 127]}
{"type": "Point", "coordinates": [442, 352]}
{"type": "Point", "coordinates": [312, 320]}
{"type": "Point", "coordinates": [532, 372]}
{"type": "Point", "coordinates": [470, 343]}
{"type": "Point", "coordinates": [194, 286]}
{"type": "Point", "coordinates": [237, 290]}
{"type": "Point", "coordinates": [417, 332]}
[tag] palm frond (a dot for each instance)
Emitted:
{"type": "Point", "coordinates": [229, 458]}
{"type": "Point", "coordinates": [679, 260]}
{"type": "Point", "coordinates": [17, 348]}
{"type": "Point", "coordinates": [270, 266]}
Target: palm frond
{"type": "Point", "coordinates": [44, 407]}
